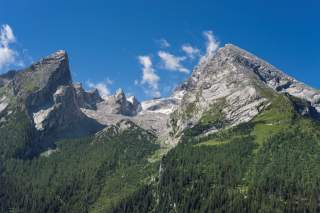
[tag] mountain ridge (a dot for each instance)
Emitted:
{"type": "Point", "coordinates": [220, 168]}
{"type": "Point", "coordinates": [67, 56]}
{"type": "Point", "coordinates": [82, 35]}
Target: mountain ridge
{"type": "Point", "coordinates": [232, 79]}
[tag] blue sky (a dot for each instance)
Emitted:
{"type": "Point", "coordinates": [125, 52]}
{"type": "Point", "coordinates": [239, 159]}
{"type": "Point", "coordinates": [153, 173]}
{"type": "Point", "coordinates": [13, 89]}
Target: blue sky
{"type": "Point", "coordinates": [110, 42]}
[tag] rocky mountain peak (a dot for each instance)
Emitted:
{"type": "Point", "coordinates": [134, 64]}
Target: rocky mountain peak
{"type": "Point", "coordinates": [120, 97]}
{"type": "Point", "coordinates": [116, 105]}
{"type": "Point", "coordinates": [271, 76]}
{"type": "Point", "coordinates": [87, 100]}
{"type": "Point", "coordinates": [34, 86]}
{"type": "Point", "coordinates": [58, 55]}
{"type": "Point", "coordinates": [54, 67]}
{"type": "Point", "coordinates": [119, 92]}
{"type": "Point", "coordinates": [229, 86]}
{"type": "Point", "coordinates": [121, 105]}
{"type": "Point", "coordinates": [136, 105]}
{"type": "Point", "coordinates": [40, 81]}
{"type": "Point", "coordinates": [44, 91]}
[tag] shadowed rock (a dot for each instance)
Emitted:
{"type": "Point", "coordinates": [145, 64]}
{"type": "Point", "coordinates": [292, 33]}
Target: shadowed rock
{"type": "Point", "coordinates": [46, 93]}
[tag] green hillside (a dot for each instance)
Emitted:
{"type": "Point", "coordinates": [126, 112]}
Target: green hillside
{"type": "Point", "coordinates": [270, 164]}
{"type": "Point", "coordinates": [93, 173]}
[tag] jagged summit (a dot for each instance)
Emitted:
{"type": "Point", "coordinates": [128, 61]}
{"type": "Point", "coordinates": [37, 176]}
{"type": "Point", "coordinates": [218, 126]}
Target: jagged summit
{"type": "Point", "coordinates": [59, 55]}
{"type": "Point", "coordinates": [45, 75]}
{"type": "Point", "coordinates": [117, 104]}
{"type": "Point", "coordinates": [120, 97]}
{"type": "Point", "coordinates": [119, 92]}
{"type": "Point", "coordinates": [87, 100]}
{"type": "Point", "coordinates": [45, 92]}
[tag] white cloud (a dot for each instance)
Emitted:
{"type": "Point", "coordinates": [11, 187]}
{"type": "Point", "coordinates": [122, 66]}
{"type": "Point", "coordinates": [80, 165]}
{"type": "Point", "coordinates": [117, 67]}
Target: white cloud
{"type": "Point", "coordinates": [102, 87]}
{"type": "Point", "coordinates": [171, 62]}
{"type": "Point", "coordinates": [164, 43]}
{"type": "Point", "coordinates": [7, 55]}
{"type": "Point", "coordinates": [6, 35]}
{"type": "Point", "coordinates": [149, 76]}
{"type": "Point", "coordinates": [212, 45]}
{"type": "Point", "coordinates": [109, 81]}
{"type": "Point", "coordinates": [191, 52]}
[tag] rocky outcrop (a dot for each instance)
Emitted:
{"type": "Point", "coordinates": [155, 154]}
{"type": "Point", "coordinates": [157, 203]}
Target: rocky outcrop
{"type": "Point", "coordinates": [46, 93]}
{"type": "Point", "coordinates": [37, 84]}
{"type": "Point", "coordinates": [118, 104]}
{"type": "Point", "coordinates": [87, 100]}
{"type": "Point", "coordinates": [135, 104]}
{"type": "Point", "coordinates": [273, 77]}
{"type": "Point", "coordinates": [303, 107]}
{"type": "Point", "coordinates": [64, 118]}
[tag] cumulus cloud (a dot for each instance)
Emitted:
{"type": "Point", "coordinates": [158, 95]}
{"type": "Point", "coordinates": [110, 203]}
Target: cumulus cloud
{"type": "Point", "coordinates": [11, 56]}
{"type": "Point", "coordinates": [164, 43]}
{"type": "Point", "coordinates": [102, 87]}
{"type": "Point", "coordinates": [192, 52]}
{"type": "Point", "coordinates": [7, 54]}
{"type": "Point", "coordinates": [171, 62]}
{"type": "Point", "coordinates": [212, 45]}
{"type": "Point", "coordinates": [6, 35]}
{"type": "Point", "coordinates": [149, 76]}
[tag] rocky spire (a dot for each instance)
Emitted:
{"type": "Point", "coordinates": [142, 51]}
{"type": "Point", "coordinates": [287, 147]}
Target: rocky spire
{"type": "Point", "coordinates": [39, 82]}
{"type": "Point", "coordinates": [120, 97]}
{"type": "Point", "coordinates": [87, 100]}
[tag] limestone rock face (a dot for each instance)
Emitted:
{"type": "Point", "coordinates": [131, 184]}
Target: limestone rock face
{"type": "Point", "coordinates": [46, 93]}
{"type": "Point", "coordinates": [136, 105]}
{"type": "Point", "coordinates": [87, 100]}
{"type": "Point", "coordinates": [230, 87]}
{"type": "Point", "coordinates": [33, 85]}
{"type": "Point", "coordinates": [118, 104]}
{"type": "Point", "coordinates": [64, 118]}
{"type": "Point", "coordinates": [37, 83]}
{"type": "Point", "coordinates": [275, 78]}
{"type": "Point", "coordinates": [221, 88]}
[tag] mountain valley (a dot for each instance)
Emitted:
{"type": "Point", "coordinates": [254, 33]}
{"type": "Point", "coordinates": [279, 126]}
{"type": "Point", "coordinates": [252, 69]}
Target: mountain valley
{"type": "Point", "coordinates": [238, 135]}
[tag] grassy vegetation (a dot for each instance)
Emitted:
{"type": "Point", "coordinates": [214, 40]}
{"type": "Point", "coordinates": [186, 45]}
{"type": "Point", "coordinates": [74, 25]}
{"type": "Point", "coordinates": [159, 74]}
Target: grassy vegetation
{"type": "Point", "coordinates": [212, 143]}
{"type": "Point", "coordinates": [188, 111]}
{"type": "Point", "coordinates": [31, 83]}
{"type": "Point", "coordinates": [214, 116]}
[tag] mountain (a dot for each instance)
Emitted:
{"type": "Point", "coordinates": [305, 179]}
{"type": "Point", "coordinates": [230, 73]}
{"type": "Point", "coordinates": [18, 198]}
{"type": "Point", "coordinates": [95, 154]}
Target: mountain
{"type": "Point", "coordinates": [233, 87]}
{"type": "Point", "coordinates": [238, 135]}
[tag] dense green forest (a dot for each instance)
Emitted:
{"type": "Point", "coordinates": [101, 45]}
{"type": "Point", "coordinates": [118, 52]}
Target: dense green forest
{"type": "Point", "coordinates": [270, 164]}
{"type": "Point", "coordinates": [78, 175]}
